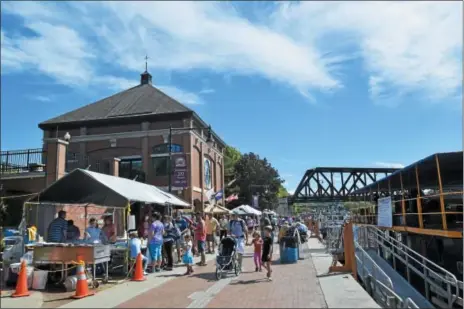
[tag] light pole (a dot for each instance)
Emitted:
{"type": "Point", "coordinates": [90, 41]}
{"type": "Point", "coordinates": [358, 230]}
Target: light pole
{"type": "Point", "coordinates": [209, 140]}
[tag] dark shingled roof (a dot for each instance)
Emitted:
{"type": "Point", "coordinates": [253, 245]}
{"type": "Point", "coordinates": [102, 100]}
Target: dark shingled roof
{"type": "Point", "coordinates": [140, 100]}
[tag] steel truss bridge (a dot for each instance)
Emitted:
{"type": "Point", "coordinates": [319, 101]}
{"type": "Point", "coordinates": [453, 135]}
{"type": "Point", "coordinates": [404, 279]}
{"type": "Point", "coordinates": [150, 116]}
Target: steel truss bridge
{"type": "Point", "coordinates": [327, 184]}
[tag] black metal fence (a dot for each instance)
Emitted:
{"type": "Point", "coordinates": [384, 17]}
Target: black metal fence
{"type": "Point", "coordinates": [34, 160]}
{"type": "Point", "coordinates": [76, 160]}
{"type": "Point", "coordinates": [22, 161]}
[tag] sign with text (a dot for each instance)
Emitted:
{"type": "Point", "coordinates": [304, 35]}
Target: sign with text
{"type": "Point", "coordinates": [384, 215]}
{"type": "Point", "coordinates": [179, 171]}
{"type": "Point", "coordinates": [255, 201]}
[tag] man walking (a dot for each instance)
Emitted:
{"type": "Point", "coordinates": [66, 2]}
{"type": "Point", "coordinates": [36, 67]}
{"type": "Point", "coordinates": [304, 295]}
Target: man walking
{"type": "Point", "coordinates": [239, 231]}
{"type": "Point", "coordinates": [182, 225]}
{"type": "Point", "coordinates": [212, 226]}
{"type": "Point", "coordinates": [200, 236]}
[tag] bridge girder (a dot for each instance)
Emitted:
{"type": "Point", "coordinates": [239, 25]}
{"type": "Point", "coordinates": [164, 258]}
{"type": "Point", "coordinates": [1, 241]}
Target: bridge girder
{"type": "Point", "coordinates": [326, 184]}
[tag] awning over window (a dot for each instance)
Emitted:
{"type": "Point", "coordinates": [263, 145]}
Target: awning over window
{"type": "Point", "coordinates": [83, 186]}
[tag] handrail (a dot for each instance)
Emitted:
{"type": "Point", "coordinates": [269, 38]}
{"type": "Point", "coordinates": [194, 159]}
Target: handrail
{"type": "Point", "coordinates": [374, 264]}
{"type": "Point", "coordinates": [446, 277]}
{"type": "Point", "coordinates": [402, 247]}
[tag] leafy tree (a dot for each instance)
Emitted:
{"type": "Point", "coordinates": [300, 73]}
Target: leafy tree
{"type": "Point", "coordinates": [282, 192]}
{"type": "Point", "coordinates": [257, 176]}
{"type": "Point", "coordinates": [231, 157]}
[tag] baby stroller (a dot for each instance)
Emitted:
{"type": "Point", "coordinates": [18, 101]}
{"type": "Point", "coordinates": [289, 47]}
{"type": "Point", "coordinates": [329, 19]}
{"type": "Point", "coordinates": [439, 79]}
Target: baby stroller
{"type": "Point", "coordinates": [226, 260]}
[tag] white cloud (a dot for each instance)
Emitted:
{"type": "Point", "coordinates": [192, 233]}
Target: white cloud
{"type": "Point", "coordinates": [42, 98]}
{"type": "Point", "coordinates": [207, 91]}
{"type": "Point", "coordinates": [389, 165]}
{"type": "Point", "coordinates": [184, 97]}
{"type": "Point", "coordinates": [406, 47]}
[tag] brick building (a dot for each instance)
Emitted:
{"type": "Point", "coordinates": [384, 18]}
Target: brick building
{"type": "Point", "coordinates": [126, 134]}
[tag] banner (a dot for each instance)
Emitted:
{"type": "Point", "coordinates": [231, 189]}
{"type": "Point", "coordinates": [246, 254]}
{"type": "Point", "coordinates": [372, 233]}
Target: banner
{"type": "Point", "coordinates": [384, 215]}
{"type": "Point", "coordinates": [179, 171]}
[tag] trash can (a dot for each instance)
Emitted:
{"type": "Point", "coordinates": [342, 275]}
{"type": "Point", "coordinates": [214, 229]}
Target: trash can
{"type": "Point", "coordinates": [288, 250]}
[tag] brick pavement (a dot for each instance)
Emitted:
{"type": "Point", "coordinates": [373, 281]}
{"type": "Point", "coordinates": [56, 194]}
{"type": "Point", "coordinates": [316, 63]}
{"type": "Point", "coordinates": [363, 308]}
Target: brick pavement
{"type": "Point", "coordinates": [294, 285]}
{"type": "Point", "coordinates": [175, 293]}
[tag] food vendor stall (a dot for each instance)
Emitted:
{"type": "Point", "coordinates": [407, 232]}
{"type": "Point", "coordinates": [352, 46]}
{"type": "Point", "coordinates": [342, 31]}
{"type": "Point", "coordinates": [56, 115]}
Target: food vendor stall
{"type": "Point", "coordinates": [75, 193]}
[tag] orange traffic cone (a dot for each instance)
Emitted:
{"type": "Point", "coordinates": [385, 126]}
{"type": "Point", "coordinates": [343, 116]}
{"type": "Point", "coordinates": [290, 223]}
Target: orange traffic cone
{"type": "Point", "coordinates": [82, 287]}
{"type": "Point", "coordinates": [138, 273]}
{"type": "Point", "coordinates": [21, 285]}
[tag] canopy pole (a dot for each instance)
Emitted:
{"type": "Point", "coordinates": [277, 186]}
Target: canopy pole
{"type": "Point", "coordinates": [442, 200]}
{"type": "Point", "coordinates": [418, 200]}
{"type": "Point", "coordinates": [403, 206]}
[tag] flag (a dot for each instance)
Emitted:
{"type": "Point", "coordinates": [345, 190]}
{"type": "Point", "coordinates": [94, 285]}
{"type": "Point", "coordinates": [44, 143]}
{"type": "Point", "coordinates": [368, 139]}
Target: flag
{"type": "Point", "coordinates": [231, 182]}
{"type": "Point", "coordinates": [219, 195]}
{"type": "Point", "coordinates": [210, 194]}
{"type": "Point", "coordinates": [232, 197]}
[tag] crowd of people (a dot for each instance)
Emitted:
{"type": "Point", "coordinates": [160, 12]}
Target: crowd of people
{"type": "Point", "coordinates": [186, 236]}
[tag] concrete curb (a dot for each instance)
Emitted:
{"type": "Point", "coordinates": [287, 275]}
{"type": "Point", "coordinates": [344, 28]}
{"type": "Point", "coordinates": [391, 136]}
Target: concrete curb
{"type": "Point", "coordinates": [35, 300]}
{"type": "Point", "coordinates": [123, 292]}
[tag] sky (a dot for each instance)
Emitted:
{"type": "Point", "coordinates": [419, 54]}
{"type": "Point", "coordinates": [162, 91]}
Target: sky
{"type": "Point", "coordinates": [304, 84]}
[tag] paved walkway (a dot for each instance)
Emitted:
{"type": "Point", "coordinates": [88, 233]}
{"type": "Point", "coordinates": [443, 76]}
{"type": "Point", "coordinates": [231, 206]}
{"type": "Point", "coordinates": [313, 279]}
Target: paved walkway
{"type": "Point", "coordinates": [302, 285]}
{"type": "Point", "coordinates": [294, 285]}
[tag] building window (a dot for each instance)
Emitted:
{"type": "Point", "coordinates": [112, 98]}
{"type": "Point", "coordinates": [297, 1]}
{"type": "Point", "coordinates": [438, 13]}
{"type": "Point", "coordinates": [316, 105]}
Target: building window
{"type": "Point", "coordinates": [208, 174]}
{"type": "Point", "coordinates": [132, 169]}
{"type": "Point", "coordinates": [160, 158]}
{"type": "Point", "coordinates": [160, 165]}
{"type": "Point", "coordinates": [164, 149]}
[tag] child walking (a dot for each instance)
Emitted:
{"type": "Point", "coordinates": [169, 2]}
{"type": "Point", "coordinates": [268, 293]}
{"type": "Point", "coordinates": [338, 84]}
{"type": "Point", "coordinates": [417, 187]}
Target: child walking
{"type": "Point", "coordinates": [187, 259]}
{"type": "Point", "coordinates": [267, 251]}
{"type": "Point", "coordinates": [257, 242]}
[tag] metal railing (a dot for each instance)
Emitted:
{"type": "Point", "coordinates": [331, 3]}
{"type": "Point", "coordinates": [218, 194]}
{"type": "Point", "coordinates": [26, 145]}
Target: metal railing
{"type": "Point", "coordinates": [22, 161]}
{"type": "Point", "coordinates": [375, 280]}
{"type": "Point", "coordinates": [376, 271]}
{"type": "Point", "coordinates": [76, 160]}
{"type": "Point", "coordinates": [437, 280]}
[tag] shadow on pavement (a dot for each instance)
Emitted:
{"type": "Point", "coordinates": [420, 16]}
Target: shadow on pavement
{"type": "Point", "coordinates": [210, 277]}
{"type": "Point", "coordinates": [253, 281]}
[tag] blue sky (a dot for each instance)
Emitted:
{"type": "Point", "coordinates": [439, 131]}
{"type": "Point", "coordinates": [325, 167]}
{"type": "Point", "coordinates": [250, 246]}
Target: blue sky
{"type": "Point", "coordinates": [304, 84]}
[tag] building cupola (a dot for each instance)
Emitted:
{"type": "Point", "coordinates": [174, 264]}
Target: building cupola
{"type": "Point", "coordinates": [145, 77]}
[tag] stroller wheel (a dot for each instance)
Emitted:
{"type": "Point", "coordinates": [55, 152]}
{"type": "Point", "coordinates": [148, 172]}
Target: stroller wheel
{"type": "Point", "coordinates": [218, 274]}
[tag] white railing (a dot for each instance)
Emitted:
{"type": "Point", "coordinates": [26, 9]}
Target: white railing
{"type": "Point", "coordinates": [437, 280]}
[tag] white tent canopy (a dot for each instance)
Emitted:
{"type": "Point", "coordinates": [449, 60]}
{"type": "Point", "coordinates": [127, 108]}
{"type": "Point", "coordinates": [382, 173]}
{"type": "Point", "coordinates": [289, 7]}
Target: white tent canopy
{"type": "Point", "coordinates": [238, 211]}
{"type": "Point", "coordinates": [83, 186]}
{"type": "Point", "coordinates": [248, 210]}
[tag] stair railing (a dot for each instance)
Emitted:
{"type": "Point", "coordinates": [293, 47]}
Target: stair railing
{"type": "Point", "coordinates": [436, 279]}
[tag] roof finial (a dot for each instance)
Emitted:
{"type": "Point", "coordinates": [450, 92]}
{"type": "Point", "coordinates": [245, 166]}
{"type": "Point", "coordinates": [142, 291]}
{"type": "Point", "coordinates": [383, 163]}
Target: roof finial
{"type": "Point", "coordinates": [146, 63]}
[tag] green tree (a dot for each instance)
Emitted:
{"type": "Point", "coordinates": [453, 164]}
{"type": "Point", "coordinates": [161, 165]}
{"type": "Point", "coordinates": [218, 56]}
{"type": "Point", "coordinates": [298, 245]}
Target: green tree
{"type": "Point", "coordinates": [231, 157]}
{"type": "Point", "coordinates": [282, 192]}
{"type": "Point", "coordinates": [257, 176]}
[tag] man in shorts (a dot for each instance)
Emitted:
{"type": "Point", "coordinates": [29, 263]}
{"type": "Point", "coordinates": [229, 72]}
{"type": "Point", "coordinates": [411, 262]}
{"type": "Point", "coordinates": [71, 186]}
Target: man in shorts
{"type": "Point", "coordinates": [212, 226]}
{"type": "Point", "coordinates": [183, 227]}
{"type": "Point", "coordinates": [238, 230]}
{"type": "Point", "coordinates": [200, 237]}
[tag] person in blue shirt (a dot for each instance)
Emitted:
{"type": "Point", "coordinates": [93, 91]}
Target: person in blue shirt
{"type": "Point", "coordinates": [93, 234]}
{"type": "Point", "coordinates": [135, 247]}
{"type": "Point", "coordinates": [183, 227]}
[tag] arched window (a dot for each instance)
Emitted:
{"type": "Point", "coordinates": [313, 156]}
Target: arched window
{"type": "Point", "coordinates": [160, 158]}
{"type": "Point", "coordinates": [208, 173]}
